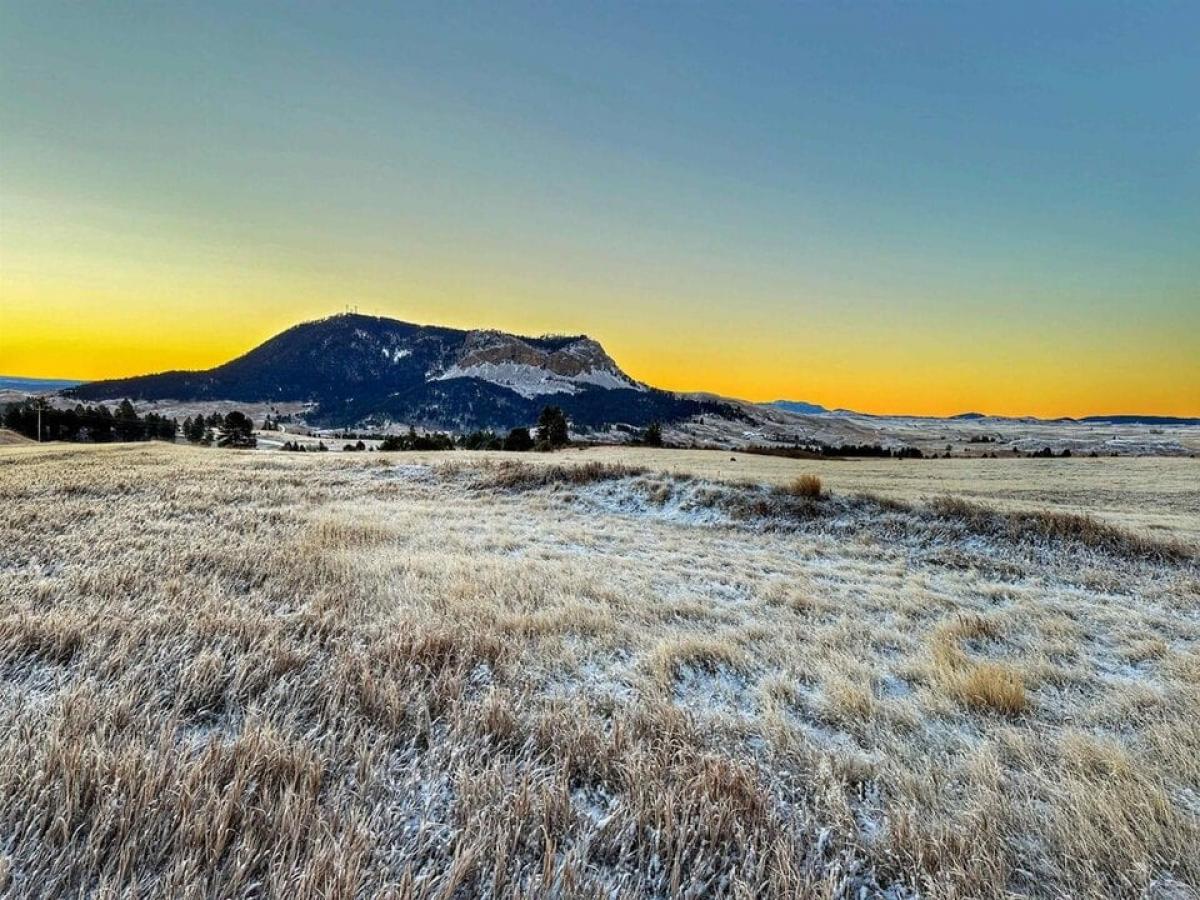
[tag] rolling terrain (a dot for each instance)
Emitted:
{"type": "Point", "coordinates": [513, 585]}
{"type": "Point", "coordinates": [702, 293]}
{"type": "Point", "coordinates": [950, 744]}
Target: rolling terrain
{"type": "Point", "coordinates": [601, 673]}
{"type": "Point", "coordinates": [376, 375]}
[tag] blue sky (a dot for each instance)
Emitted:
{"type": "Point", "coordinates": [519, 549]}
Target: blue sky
{"type": "Point", "coordinates": [924, 207]}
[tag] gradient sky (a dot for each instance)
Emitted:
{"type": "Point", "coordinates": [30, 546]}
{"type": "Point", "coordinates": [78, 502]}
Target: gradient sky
{"type": "Point", "coordinates": [894, 207]}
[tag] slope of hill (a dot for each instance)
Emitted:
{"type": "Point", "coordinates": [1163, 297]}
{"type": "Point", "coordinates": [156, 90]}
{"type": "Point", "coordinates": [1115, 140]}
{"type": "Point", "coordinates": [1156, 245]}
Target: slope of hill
{"type": "Point", "coordinates": [8, 437]}
{"type": "Point", "coordinates": [364, 369]}
{"type": "Point", "coordinates": [799, 407]}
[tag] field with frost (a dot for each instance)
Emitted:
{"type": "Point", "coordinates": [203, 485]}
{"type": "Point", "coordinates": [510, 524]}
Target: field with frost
{"type": "Point", "coordinates": [357, 675]}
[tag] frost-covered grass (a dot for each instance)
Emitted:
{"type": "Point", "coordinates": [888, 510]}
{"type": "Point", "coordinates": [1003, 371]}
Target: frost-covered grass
{"type": "Point", "coordinates": [232, 674]}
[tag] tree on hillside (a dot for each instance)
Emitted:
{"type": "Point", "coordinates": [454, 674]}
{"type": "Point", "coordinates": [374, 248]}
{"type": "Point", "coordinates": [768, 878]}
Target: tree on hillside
{"type": "Point", "coordinates": [126, 423]}
{"type": "Point", "coordinates": [196, 432]}
{"type": "Point", "coordinates": [653, 435]}
{"type": "Point", "coordinates": [552, 428]}
{"type": "Point", "coordinates": [237, 431]}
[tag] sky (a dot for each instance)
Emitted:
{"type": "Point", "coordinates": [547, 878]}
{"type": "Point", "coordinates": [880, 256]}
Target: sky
{"type": "Point", "coordinates": [892, 207]}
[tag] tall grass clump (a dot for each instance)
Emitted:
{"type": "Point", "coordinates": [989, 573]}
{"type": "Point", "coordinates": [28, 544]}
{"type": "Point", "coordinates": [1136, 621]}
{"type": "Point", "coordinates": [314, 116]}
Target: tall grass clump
{"type": "Point", "coordinates": [984, 685]}
{"type": "Point", "coordinates": [806, 487]}
{"type": "Point", "coordinates": [512, 476]}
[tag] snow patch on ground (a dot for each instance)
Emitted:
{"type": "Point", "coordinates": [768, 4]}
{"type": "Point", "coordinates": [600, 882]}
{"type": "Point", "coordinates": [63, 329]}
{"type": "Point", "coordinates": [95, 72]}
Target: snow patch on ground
{"type": "Point", "coordinates": [893, 687]}
{"type": "Point", "coordinates": [405, 472]}
{"type": "Point", "coordinates": [603, 680]}
{"type": "Point", "coordinates": [594, 804]}
{"type": "Point", "coordinates": [687, 503]}
{"type": "Point", "coordinates": [206, 728]}
{"type": "Point", "coordinates": [32, 681]}
{"type": "Point", "coordinates": [720, 690]}
{"type": "Point", "coordinates": [420, 800]}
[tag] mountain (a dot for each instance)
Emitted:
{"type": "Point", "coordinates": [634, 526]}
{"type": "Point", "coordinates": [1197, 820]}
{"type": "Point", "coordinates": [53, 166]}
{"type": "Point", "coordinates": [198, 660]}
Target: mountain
{"type": "Point", "coordinates": [367, 370]}
{"type": "Point", "coordinates": [798, 406]}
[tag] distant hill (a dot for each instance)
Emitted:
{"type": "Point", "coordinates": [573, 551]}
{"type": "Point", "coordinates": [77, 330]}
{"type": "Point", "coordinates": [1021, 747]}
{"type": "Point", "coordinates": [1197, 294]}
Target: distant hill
{"type": "Point", "coordinates": [366, 370]}
{"type": "Point", "coordinates": [1142, 420]}
{"type": "Point", "coordinates": [35, 385]}
{"type": "Point", "coordinates": [799, 407]}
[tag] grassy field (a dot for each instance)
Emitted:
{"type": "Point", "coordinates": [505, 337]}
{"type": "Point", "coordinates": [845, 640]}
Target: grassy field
{"type": "Point", "coordinates": [599, 673]}
{"type": "Point", "coordinates": [1154, 495]}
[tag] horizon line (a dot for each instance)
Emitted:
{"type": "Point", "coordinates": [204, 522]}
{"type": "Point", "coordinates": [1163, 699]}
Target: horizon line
{"type": "Point", "coordinates": [827, 410]}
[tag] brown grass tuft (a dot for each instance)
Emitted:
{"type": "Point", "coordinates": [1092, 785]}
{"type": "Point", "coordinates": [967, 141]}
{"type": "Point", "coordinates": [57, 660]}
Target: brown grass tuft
{"type": "Point", "coordinates": [983, 685]}
{"type": "Point", "coordinates": [992, 686]}
{"type": "Point", "coordinates": [806, 486]}
{"type": "Point", "coordinates": [707, 654]}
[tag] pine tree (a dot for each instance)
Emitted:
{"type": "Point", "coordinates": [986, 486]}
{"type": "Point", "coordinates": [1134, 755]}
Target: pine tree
{"type": "Point", "coordinates": [552, 428]}
{"type": "Point", "coordinates": [237, 431]}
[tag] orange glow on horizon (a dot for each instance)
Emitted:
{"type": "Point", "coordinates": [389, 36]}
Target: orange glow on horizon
{"type": "Point", "coordinates": [96, 341]}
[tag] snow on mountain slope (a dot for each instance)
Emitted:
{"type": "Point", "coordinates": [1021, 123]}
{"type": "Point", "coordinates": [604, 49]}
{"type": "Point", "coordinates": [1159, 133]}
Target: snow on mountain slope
{"type": "Point", "coordinates": [529, 370]}
{"type": "Point", "coordinates": [533, 381]}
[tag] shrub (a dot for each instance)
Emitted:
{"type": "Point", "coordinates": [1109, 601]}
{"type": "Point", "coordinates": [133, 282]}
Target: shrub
{"type": "Point", "coordinates": [653, 436]}
{"type": "Point", "coordinates": [806, 486]}
{"type": "Point", "coordinates": [481, 440]}
{"type": "Point", "coordinates": [414, 441]}
{"type": "Point", "coordinates": [519, 440]}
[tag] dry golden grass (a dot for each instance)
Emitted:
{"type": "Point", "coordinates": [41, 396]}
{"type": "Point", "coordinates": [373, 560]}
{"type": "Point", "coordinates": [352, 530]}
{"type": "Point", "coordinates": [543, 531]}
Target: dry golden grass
{"type": "Point", "coordinates": [1060, 526]}
{"type": "Point", "coordinates": [11, 438]}
{"type": "Point", "coordinates": [228, 674]}
{"type": "Point", "coordinates": [806, 486]}
{"type": "Point", "coordinates": [985, 685]}
{"type": "Point", "coordinates": [1152, 496]}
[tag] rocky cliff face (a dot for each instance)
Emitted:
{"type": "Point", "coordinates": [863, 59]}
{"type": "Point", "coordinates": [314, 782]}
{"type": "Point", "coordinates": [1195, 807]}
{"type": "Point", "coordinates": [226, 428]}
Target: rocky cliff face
{"type": "Point", "coordinates": [532, 370]}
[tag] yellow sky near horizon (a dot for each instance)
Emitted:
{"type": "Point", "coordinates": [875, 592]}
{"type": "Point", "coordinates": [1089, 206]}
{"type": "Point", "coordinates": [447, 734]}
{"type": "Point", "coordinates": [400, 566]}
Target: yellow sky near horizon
{"type": "Point", "coordinates": [47, 331]}
{"type": "Point", "coordinates": [783, 202]}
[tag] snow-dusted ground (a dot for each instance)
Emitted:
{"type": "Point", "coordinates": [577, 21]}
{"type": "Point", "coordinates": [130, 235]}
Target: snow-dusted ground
{"type": "Point", "coordinates": [426, 672]}
{"type": "Point", "coordinates": [765, 425]}
{"type": "Point", "coordinates": [1006, 436]}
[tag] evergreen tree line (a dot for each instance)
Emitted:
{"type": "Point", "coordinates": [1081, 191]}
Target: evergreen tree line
{"type": "Point", "coordinates": [552, 432]}
{"type": "Point", "coordinates": [815, 451]}
{"type": "Point", "coordinates": [87, 424]}
{"type": "Point", "coordinates": [866, 450]}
